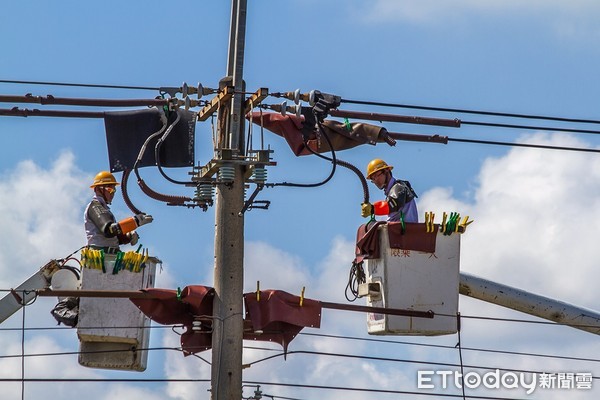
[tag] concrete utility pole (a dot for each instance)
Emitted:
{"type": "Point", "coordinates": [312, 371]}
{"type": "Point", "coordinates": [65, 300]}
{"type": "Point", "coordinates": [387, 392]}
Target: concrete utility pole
{"type": "Point", "coordinates": [227, 336]}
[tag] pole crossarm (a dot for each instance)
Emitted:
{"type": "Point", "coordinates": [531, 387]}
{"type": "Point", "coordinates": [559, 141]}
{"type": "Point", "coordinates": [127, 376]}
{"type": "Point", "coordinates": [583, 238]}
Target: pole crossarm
{"type": "Point", "coordinates": [255, 99]}
{"type": "Point", "coordinates": [222, 97]}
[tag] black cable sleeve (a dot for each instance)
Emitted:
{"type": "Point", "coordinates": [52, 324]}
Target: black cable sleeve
{"type": "Point", "coordinates": [332, 159]}
{"type": "Point", "coordinates": [345, 164]}
{"type": "Point", "coordinates": [146, 142]}
{"type": "Point", "coordinates": [126, 199]}
{"type": "Point", "coordinates": [360, 175]}
{"type": "Point", "coordinates": [157, 153]}
{"type": "Point", "coordinates": [170, 199]}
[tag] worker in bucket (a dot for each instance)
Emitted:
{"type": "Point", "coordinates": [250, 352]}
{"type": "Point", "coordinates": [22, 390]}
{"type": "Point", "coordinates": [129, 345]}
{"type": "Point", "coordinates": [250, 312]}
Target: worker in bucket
{"type": "Point", "coordinates": [400, 196]}
{"type": "Point", "coordinates": [101, 227]}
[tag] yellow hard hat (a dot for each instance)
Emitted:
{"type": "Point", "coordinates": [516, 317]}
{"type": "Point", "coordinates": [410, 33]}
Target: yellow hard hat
{"type": "Point", "coordinates": [375, 165]}
{"type": "Point", "coordinates": [104, 178]}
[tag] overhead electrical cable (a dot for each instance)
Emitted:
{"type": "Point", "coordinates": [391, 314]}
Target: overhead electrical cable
{"type": "Point", "coordinates": [476, 112]}
{"type": "Point", "coordinates": [534, 128]}
{"type": "Point", "coordinates": [89, 85]}
{"type": "Point", "coordinates": [274, 396]}
{"type": "Point", "coordinates": [71, 353]}
{"type": "Point", "coordinates": [324, 304]}
{"type": "Point", "coordinates": [372, 390]}
{"type": "Point", "coordinates": [571, 358]}
{"type": "Point", "coordinates": [528, 145]}
{"type": "Point", "coordinates": [388, 359]}
{"type": "Point", "coordinates": [93, 102]}
{"type": "Point", "coordinates": [67, 328]}
{"type": "Point", "coordinates": [190, 380]}
{"type": "Point", "coordinates": [97, 380]}
{"type": "Point", "coordinates": [524, 321]}
{"type": "Point", "coordinates": [349, 101]}
{"type": "Point", "coordinates": [475, 349]}
{"type": "Point", "coordinates": [411, 137]}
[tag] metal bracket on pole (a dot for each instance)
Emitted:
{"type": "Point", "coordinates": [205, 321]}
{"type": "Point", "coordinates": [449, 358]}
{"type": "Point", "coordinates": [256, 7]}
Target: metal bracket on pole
{"type": "Point", "coordinates": [212, 106]}
{"type": "Point", "coordinates": [206, 172]}
{"type": "Point", "coordinates": [261, 158]}
{"type": "Point", "coordinates": [256, 98]}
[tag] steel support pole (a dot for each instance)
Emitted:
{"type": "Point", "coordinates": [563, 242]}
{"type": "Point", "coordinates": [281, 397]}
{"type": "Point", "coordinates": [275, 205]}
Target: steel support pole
{"type": "Point", "coordinates": [227, 337]}
{"type": "Point", "coordinates": [530, 303]}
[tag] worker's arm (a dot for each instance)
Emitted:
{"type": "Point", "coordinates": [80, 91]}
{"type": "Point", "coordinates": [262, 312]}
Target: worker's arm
{"type": "Point", "coordinates": [105, 221]}
{"type": "Point", "coordinates": [129, 224]}
{"type": "Point", "coordinates": [399, 195]}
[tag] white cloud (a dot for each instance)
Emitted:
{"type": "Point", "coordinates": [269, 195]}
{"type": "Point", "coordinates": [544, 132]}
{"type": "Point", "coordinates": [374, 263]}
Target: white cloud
{"type": "Point", "coordinates": [533, 227]}
{"type": "Point", "coordinates": [567, 19]}
{"type": "Point", "coordinates": [274, 268]}
{"type": "Point", "coordinates": [123, 391]}
{"type": "Point", "coordinates": [42, 216]}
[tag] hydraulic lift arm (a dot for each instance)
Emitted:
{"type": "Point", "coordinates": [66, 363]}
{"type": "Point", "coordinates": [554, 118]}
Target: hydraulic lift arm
{"type": "Point", "coordinates": [26, 291]}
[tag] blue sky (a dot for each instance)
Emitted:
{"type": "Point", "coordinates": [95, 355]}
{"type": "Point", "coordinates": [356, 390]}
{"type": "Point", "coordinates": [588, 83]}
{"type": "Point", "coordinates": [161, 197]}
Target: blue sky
{"type": "Point", "coordinates": [534, 210]}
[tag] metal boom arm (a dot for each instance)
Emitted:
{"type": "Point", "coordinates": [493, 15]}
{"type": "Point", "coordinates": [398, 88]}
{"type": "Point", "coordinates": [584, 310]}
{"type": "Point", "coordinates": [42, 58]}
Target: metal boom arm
{"type": "Point", "coordinates": [530, 303]}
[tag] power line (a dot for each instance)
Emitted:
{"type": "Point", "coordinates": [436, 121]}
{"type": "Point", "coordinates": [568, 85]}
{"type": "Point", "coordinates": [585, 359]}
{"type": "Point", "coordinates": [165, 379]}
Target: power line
{"type": "Point", "coordinates": [475, 349]}
{"type": "Point", "coordinates": [411, 137]}
{"type": "Point", "coordinates": [372, 390]}
{"type": "Point", "coordinates": [476, 112]}
{"type": "Point", "coordinates": [328, 305]}
{"type": "Point", "coordinates": [66, 328]}
{"type": "Point", "coordinates": [71, 353]}
{"type": "Point", "coordinates": [458, 110]}
{"type": "Point", "coordinates": [529, 127]}
{"type": "Point", "coordinates": [388, 359]}
{"type": "Point", "coordinates": [280, 397]}
{"type": "Point", "coordinates": [89, 102]}
{"type": "Point", "coordinates": [137, 102]}
{"type": "Point", "coordinates": [316, 335]}
{"type": "Point", "coordinates": [360, 102]}
{"type": "Point", "coordinates": [189, 380]}
{"type": "Point", "coordinates": [335, 306]}
{"type": "Point", "coordinates": [528, 145]}
{"type": "Point", "coordinates": [89, 85]}
{"type": "Point", "coordinates": [453, 123]}
{"type": "Point", "coordinates": [92, 380]}
{"type": "Point", "coordinates": [523, 321]}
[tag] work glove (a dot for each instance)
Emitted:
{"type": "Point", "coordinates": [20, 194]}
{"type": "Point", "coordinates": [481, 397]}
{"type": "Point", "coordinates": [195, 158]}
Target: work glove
{"type": "Point", "coordinates": [143, 219]}
{"type": "Point", "coordinates": [133, 238]}
{"type": "Point", "coordinates": [381, 207]}
{"type": "Point", "coordinates": [366, 210]}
